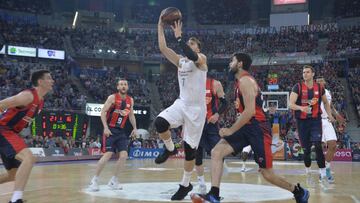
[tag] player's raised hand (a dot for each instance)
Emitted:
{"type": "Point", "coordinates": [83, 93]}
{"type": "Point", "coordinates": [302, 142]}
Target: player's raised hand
{"type": "Point", "coordinates": [107, 132]}
{"type": "Point", "coordinates": [177, 28]}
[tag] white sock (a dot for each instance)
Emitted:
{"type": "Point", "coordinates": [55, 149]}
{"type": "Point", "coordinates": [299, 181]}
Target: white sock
{"type": "Point", "coordinates": [16, 195]}
{"type": "Point", "coordinates": [169, 144]}
{"type": "Point", "coordinates": [95, 179]}
{"type": "Point", "coordinates": [244, 164]}
{"type": "Point", "coordinates": [327, 164]}
{"type": "Point", "coordinates": [307, 170]}
{"type": "Point", "coordinates": [322, 172]}
{"type": "Point", "coordinates": [186, 179]}
{"type": "Point", "coordinates": [201, 180]}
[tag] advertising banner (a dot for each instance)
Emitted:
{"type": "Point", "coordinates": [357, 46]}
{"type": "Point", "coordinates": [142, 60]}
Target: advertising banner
{"type": "Point", "coordinates": [51, 54]}
{"type": "Point", "coordinates": [21, 51]}
{"type": "Point", "coordinates": [38, 152]}
{"type": "Point", "coordinates": [144, 153]}
{"type": "Point", "coordinates": [343, 155]}
{"type": "Point", "coordinates": [54, 151]}
{"type": "Point", "coordinates": [93, 109]}
{"type": "Point", "coordinates": [77, 152]}
{"type": "Point", "coordinates": [2, 50]}
{"type": "Point", "coordinates": [356, 155]}
{"type": "Point", "coordinates": [95, 151]}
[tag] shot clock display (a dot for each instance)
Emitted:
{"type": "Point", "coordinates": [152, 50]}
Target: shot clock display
{"type": "Point", "coordinates": [60, 123]}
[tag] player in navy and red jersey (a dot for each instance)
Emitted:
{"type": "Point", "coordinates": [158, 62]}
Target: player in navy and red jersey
{"type": "Point", "coordinates": [16, 113]}
{"type": "Point", "coordinates": [216, 104]}
{"type": "Point", "coordinates": [117, 109]}
{"type": "Point", "coordinates": [251, 128]}
{"type": "Point", "coordinates": [305, 100]}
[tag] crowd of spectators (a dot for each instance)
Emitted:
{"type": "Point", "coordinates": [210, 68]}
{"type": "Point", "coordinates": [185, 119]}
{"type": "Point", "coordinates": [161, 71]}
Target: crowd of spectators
{"type": "Point", "coordinates": [34, 6]}
{"type": "Point", "coordinates": [347, 8]}
{"type": "Point", "coordinates": [101, 83]}
{"type": "Point", "coordinates": [226, 12]}
{"type": "Point", "coordinates": [15, 76]}
{"type": "Point", "coordinates": [354, 83]}
{"type": "Point", "coordinates": [145, 11]}
{"type": "Point", "coordinates": [32, 35]}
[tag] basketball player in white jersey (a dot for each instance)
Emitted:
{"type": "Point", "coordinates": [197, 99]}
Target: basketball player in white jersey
{"type": "Point", "coordinates": [189, 110]}
{"type": "Point", "coordinates": [328, 131]}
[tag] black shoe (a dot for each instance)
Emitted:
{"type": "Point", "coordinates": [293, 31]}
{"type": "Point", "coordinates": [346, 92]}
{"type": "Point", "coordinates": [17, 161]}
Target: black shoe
{"type": "Point", "coordinates": [17, 201]}
{"type": "Point", "coordinates": [302, 195]}
{"type": "Point", "coordinates": [204, 198]}
{"type": "Point", "coordinates": [182, 192]}
{"type": "Point", "coordinates": [165, 155]}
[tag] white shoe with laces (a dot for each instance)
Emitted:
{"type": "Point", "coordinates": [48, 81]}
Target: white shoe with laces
{"type": "Point", "coordinates": [114, 184]}
{"type": "Point", "coordinates": [94, 187]}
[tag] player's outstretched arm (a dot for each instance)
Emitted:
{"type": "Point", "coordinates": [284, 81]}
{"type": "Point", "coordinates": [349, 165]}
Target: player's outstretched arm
{"type": "Point", "coordinates": [198, 58]}
{"type": "Point", "coordinates": [166, 51]}
{"type": "Point", "coordinates": [20, 100]}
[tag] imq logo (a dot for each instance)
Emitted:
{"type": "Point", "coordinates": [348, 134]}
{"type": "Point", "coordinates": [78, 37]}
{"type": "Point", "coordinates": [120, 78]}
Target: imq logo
{"type": "Point", "coordinates": [343, 154]}
{"type": "Point", "coordinates": [145, 154]}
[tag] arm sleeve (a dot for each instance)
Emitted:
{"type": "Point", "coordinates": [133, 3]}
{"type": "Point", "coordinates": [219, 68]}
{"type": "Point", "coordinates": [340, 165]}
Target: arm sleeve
{"type": "Point", "coordinates": [223, 104]}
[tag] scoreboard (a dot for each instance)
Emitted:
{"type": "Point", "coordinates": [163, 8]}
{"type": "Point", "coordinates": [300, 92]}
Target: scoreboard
{"type": "Point", "coordinates": [60, 123]}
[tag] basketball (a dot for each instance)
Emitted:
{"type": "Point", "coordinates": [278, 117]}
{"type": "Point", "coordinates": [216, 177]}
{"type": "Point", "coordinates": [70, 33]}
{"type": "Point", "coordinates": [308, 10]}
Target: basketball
{"type": "Point", "coordinates": [170, 15]}
{"type": "Point", "coordinates": [195, 198]}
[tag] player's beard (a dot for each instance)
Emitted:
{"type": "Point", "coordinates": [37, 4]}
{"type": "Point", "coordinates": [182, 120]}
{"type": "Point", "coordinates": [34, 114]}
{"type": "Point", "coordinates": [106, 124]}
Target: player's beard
{"type": "Point", "coordinates": [231, 74]}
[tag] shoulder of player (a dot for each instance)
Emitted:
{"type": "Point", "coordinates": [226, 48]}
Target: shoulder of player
{"type": "Point", "coordinates": [26, 95]}
{"type": "Point", "coordinates": [247, 79]}
{"type": "Point", "coordinates": [111, 98]}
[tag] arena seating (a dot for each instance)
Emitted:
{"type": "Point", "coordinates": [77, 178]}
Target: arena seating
{"type": "Point", "coordinates": [15, 77]}
{"type": "Point", "coordinates": [102, 82]}
{"type": "Point", "coordinates": [34, 6]}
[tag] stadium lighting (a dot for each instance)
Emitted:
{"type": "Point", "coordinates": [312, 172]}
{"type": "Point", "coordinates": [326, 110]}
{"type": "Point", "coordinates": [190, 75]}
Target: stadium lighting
{"type": "Point", "coordinates": [100, 50]}
{"type": "Point", "coordinates": [75, 19]}
{"type": "Point", "coordinates": [113, 51]}
{"type": "Point", "coordinates": [108, 51]}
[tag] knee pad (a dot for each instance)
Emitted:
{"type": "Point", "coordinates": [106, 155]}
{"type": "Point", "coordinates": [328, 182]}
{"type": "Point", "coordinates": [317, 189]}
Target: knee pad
{"type": "Point", "coordinates": [190, 153]}
{"type": "Point", "coordinates": [199, 156]}
{"type": "Point", "coordinates": [161, 125]}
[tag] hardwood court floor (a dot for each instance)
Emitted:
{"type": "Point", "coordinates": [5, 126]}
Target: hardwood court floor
{"type": "Point", "coordinates": [67, 182]}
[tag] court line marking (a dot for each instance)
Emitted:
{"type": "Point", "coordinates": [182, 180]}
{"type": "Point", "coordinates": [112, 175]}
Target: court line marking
{"type": "Point", "coordinates": [356, 200]}
{"type": "Point", "coordinates": [49, 187]}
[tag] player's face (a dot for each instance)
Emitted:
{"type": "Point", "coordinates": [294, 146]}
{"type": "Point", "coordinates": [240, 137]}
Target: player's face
{"type": "Point", "coordinates": [123, 86]}
{"type": "Point", "coordinates": [233, 65]}
{"type": "Point", "coordinates": [193, 46]}
{"type": "Point", "coordinates": [308, 74]}
{"type": "Point", "coordinates": [46, 82]}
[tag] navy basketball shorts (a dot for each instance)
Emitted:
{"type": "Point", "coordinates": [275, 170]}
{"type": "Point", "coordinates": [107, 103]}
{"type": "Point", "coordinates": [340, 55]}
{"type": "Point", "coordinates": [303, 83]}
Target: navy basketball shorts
{"type": "Point", "coordinates": [210, 137]}
{"type": "Point", "coordinates": [10, 145]}
{"type": "Point", "coordinates": [310, 130]}
{"type": "Point", "coordinates": [258, 136]}
{"type": "Point", "coordinates": [118, 141]}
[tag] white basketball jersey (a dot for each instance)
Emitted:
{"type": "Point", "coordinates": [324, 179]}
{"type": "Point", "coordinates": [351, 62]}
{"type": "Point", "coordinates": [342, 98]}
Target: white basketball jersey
{"type": "Point", "coordinates": [192, 83]}
{"type": "Point", "coordinates": [328, 96]}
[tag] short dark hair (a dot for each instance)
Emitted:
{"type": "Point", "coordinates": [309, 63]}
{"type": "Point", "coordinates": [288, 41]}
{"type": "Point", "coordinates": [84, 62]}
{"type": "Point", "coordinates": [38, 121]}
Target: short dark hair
{"type": "Point", "coordinates": [37, 75]}
{"type": "Point", "coordinates": [310, 67]}
{"type": "Point", "coordinates": [245, 58]}
{"type": "Point", "coordinates": [197, 41]}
